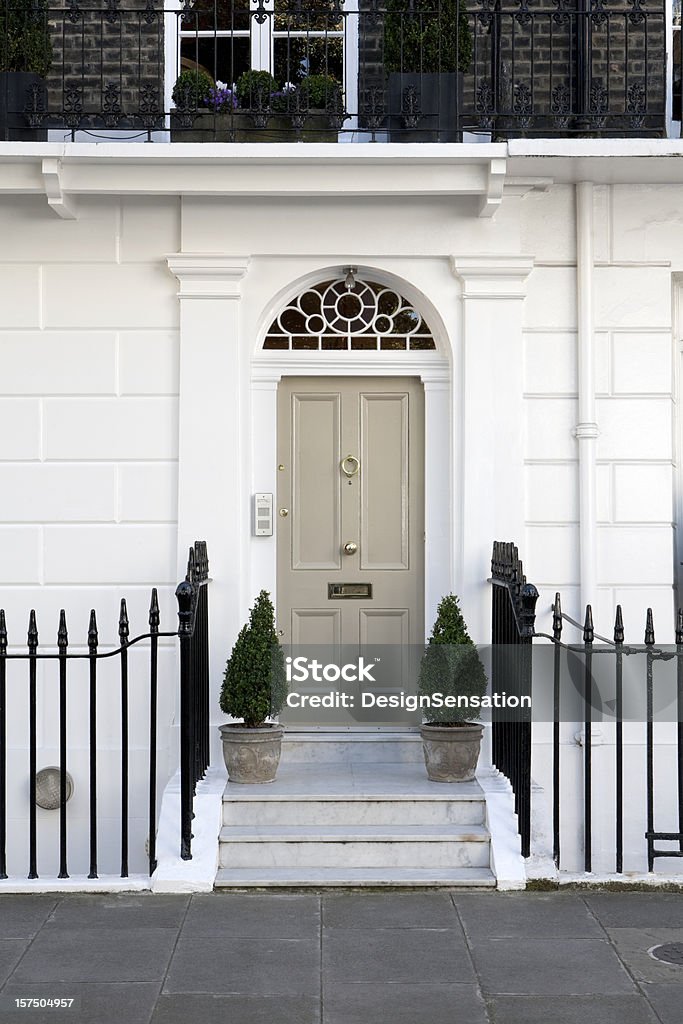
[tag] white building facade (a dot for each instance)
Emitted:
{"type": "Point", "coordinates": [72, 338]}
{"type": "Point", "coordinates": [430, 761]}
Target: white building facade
{"type": "Point", "coordinates": [139, 405]}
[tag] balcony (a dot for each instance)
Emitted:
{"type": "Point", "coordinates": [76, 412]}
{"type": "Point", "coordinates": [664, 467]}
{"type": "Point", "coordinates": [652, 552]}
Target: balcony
{"type": "Point", "coordinates": [334, 70]}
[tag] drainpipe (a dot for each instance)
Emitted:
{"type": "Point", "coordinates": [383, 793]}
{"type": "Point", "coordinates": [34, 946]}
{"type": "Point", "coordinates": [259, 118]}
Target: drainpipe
{"type": "Point", "coordinates": [586, 431]}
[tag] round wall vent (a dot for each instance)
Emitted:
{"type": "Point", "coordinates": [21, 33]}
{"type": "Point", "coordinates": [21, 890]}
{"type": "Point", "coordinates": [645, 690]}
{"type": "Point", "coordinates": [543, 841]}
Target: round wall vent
{"type": "Point", "coordinates": [47, 787]}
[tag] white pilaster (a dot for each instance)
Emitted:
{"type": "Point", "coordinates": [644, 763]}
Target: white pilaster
{"type": "Point", "coordinates": [489, 424]}
{"type": "Point", "coordinates": [211, 505]}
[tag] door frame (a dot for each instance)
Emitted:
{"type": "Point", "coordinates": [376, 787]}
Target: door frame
{"type": "Point", "coordinates": [434, 372]}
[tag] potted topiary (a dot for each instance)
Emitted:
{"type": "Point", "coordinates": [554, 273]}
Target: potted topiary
{"type": "Point", "coordinates": [451, 667]}
{"type": "Point", "coordinates": [427, 50]}
{"type": "Point", "coordinates": [191, 118]}
{"type": "Point", "coordinates": [254, 689]}
{"type": "Point", "coordinates": [25, 59]}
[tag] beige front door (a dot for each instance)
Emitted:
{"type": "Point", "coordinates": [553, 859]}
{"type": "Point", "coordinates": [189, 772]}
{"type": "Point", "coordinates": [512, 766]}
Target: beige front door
{"type": "Point", "coordinates": [350, 528]}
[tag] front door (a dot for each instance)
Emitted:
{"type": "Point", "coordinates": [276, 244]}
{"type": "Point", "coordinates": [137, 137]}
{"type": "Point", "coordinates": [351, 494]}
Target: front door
{"type": "Point", "coordinates": [350, 535]}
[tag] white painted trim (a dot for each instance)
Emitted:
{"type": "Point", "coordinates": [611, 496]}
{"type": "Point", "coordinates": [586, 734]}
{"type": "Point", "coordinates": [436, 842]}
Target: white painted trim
{"type": "Point", "coordinates": [196, 875]}
{"type": "Point", "coordinates": [426, 365]}
{"type": "Point", "coordinates": [507, 863]}
{"type": "Point", "coordinates": [76, 883]}
{"type": "Point", "coordinates": [677, 378]}
{"type": "Point", "coordinates": [586, 430]}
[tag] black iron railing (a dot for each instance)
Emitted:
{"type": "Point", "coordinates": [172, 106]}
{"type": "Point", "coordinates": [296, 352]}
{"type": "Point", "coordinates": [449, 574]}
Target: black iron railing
{"type": "Point", "coordinates": [514, 603]}
{"type": "Point", "coordinates": [602, 668]}
{"type": "Point", "coordinates": [193, 634]}
{"type": "Point", "coordinates": [599, 680]}
{"type": "Point", "coordinates": [379, 70]}
{"type": "Point", "coordinates": [193, 631]}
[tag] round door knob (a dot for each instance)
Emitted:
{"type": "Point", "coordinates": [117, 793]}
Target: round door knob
{"type": "Point", "coordinates": [284, 512]}
{"type": "Point", "coordinates": [350, 548]}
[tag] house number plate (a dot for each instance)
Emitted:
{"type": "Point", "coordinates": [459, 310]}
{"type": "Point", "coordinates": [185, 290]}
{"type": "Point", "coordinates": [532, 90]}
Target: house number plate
{"type": "Point", "coordinates": [337, 590]}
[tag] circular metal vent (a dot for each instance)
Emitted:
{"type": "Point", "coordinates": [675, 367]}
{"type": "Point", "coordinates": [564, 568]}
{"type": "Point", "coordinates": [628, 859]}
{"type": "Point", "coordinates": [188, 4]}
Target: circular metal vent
{"type": "Point", "coordinates": [669, 953]}
{"type": "Point", "coordinates": [47, 788]}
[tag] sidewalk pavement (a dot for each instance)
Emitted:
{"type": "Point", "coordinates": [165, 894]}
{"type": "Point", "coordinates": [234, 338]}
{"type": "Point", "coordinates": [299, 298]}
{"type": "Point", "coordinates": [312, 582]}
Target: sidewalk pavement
{"type": "Point", "coordinates": [342, 958]}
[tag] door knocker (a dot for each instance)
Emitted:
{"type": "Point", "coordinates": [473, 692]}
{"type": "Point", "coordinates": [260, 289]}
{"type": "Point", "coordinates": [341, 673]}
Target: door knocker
{"type": "Point", "coordinates": [355, 465]}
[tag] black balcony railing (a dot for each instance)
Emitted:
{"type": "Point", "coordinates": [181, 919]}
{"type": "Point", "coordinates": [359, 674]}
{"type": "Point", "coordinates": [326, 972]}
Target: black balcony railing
{"type": "Point", "coordinates": [373, 70]}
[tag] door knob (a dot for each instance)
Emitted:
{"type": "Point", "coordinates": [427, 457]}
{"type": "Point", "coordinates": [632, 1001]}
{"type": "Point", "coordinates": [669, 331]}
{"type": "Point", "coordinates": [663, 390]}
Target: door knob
{"type": "Point", "coordinates": [350, 548]}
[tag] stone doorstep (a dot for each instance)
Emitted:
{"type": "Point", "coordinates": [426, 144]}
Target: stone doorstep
{"type": "Point", "coordinates": [354, 823]}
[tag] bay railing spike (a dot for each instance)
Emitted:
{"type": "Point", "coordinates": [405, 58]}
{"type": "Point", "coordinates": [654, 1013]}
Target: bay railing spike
{"type": "Point", "coordinates": [618, 627]}
{"type": "Point", "coordinates": [92, 632]}
{"type": "Point", "coordinates": [649, 629]}
{"type": "Point", "coordinates": [588, 632]}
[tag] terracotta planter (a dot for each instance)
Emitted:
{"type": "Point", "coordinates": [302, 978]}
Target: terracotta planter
{"type": "Point", "coordinates": [251, 755]}
{"type": "Point", "coordinates": [451, 752]}
{"type": "Point", "coordinates": [239, 127]}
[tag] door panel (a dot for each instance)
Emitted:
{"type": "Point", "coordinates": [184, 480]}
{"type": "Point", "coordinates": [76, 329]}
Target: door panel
{"type": "Point", "coordinates": [363, 527]}
{"type": "Point", "coordinates": [384, 484]}
{"type": "Point", "coordinates": [315, 442]}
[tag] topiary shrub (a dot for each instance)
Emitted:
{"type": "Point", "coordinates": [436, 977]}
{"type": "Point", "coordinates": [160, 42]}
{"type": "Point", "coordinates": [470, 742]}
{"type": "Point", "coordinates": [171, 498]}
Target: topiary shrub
{"type": "Point", "coordinates": [319, 91]}
{"type": "Point", "coordinates": [24, 37]}
{"type": "Point", "coordinates": [255, 685]}
{"type": "Point", "coordinates": [192, 88]}
{"type": "Point", "coordinates": [254, 89]}
{"type": "Point", "coordinates": [451, 665]}
{"type": "Point", "coordinates": [427, 36]}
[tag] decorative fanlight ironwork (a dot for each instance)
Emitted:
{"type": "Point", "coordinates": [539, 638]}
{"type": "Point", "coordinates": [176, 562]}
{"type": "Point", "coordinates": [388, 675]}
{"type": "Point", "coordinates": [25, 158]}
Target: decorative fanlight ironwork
{"type": "Point", "coordinates": [366, 316]}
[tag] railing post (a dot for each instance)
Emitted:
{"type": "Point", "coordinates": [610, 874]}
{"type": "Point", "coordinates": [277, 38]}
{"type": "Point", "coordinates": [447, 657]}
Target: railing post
{"type": "Point", "coordinates": [184, 593]}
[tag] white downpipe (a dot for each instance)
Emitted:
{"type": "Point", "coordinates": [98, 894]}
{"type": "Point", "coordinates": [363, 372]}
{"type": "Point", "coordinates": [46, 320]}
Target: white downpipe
{"type": "Point", "coordinates": [586, 429]}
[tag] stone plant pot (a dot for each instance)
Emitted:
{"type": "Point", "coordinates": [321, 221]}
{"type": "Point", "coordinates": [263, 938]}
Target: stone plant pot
{"type": "Point", "coordinates": [14, 95]}
{"type": "Point", "coordinates": [451, 752]}
{"type": "Point", "coordinates": [239, 127]}
{"type": "Point", "coordinates": [251, 755]}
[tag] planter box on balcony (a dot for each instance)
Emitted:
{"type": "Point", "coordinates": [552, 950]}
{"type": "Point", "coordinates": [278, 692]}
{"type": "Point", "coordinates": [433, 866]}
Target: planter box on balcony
{"type": "Point", "coordinates": [434, 115]}
{"type": "Point", "coordinates": [14, 95]}
{"type": "Point", "coordinates": [239, 127]}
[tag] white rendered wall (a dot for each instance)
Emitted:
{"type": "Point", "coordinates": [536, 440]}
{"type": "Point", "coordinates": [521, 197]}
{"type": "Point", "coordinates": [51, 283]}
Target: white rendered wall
{"type": "Point", "coordinates": [637, 249]}
{"type": "Point", "coordinates": [89, 332]}
{"type": "Point", "coordinates": [88, 414]}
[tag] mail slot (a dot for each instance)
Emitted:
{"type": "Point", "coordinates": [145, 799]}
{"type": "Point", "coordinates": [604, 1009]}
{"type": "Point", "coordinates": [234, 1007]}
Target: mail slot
{"type": "Point", "coordinates": [337, 590]}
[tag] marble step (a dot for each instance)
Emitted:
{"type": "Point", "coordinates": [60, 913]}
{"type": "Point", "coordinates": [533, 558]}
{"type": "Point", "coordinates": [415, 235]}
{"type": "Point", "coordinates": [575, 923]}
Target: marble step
{"type": "Point", "coordinates": [335, 877]}
{"type": "Point", "coordinates": [349, 811]}
{"type": "Point", "coordinates": [367, 846]}
{"type": "Point", "coordinates": [340, 747]}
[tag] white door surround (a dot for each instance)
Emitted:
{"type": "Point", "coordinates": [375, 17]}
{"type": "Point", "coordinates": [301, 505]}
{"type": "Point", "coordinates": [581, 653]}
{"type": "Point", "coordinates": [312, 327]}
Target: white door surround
{"type": "Point", "coordinates": [228, 416]}
{"type": "Point", "coordinates": [433, 369]}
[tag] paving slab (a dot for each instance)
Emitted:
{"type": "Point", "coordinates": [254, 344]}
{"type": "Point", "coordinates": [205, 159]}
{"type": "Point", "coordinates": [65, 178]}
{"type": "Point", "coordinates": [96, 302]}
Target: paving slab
{"type": "Point", "coordinates": [132, 1003]}
{"type": "Point", "coordinates": [547, 968]}
{"type": "Point", "coordinates": [667, 1001]}
{"type": "Point", "coordinates": [11, 951]}
{"type": "Point", "coordinates": [579, 1010]}
{"type": "Point", "coordinates": [389, 910]}
{"type": "Point", "coordinates": [633, 944]}
{"type": "Point", "coordinates": [247, 966]}
{"type": "Point", "coordinates": [253, 914]}
{"type": "Point", "coordinates": [402, 1003]}
{"type": "Point", "coordinates": [637, 909]}
{"type": "Point", "coordinates": [94, 955]}
{"type": "Point", "coordinates": [114, 911]}
{"type": "Point", "coordinates": [21, 916]}
{"type": "Point", "coordinates": [237, 1009]}
{"type": "Point", "coordinates": [390, 955]}
{"type": "Point", "coordinates": [526, 915]}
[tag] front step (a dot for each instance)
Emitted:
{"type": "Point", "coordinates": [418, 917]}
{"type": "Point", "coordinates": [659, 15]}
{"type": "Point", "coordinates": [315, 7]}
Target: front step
{"type": "Point", "coordinates": [354, 824]}
{"type": "Point", "coordinates": [323, 878]}
{"type": "Point", "coordinates": [365, 846]}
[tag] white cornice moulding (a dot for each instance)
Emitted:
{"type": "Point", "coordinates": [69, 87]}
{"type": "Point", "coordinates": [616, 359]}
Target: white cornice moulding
{"type": "Point", "coordinates": [208, 275]}
{"type": "Point", "coordinates": [494, 276]}
{"type": "Point", "coordinates": [428, 366]}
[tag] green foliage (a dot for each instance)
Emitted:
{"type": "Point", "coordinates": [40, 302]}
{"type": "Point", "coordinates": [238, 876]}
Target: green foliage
{"type": "Point", "coordinates": [319, 90]}
{"type": "Point", "coordinates": [24, 37]}
{"type": "Point", "coordinates": [451, 664]}
{"type": "Point", "coordinates": [255, 685]}
{"type": "Point", "coordinates": [427, 36]}
{"type": "Point", "coordinates": [191, 89]}
{"type": "Point", "coordinates": [254, 89]}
